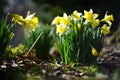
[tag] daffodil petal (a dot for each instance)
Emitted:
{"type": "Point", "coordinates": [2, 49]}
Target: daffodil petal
{"type": "Point", "coordinates": [105, 29]}
{"type": "Point", "coordinates": [17, 19]}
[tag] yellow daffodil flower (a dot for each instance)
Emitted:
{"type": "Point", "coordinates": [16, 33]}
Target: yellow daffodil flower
{"type": "Point", "coordinates": [30, 22]}
{"type": "Point", "coordinates": [105, 29]}
{"type": "Point", "coordinates": [95, 23]}
{"type": "Point", "coordinates": [17, 19]}
{"type": "Point", "coordinates": [76, 15]}
{"type": "Point", "coordinates": [108, 19]}
{"type": "Point", "coordinates": [61, 29]}
{"type": "Point", "coordinates": [29, 16]}
{"type": "Point", "coordinates": [56, 20]}
{"type": "Point", "coordinates": [65, 19]}
{"type": "Point", "coordinates": [94, 51]}
{"type": "Point", "coordinates": [61, 20]}
{"type": "Point", "coordinates": [89, 16]}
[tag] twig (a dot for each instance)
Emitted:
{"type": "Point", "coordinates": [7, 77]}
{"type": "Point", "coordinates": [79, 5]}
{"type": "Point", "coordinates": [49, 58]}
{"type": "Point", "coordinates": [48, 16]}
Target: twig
{"type": "Point", "coordinates": [34, 43]}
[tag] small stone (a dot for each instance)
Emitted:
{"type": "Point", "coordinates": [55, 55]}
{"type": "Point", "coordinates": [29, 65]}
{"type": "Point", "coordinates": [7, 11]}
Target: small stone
{"type": "Point", "coordinates": [116, 58]}
{"type": "Point", "coordinates": [3, 66]}
{"type": "Point", "coordinates": [14, 64]}
{"type": "Point", "coordinates": [81, 74]}
{"type": "Point", "coordinates": [77, 74]}
{"type": "Point", "coordinates": [19, 62]}
{"type": "Point", "coordinates": [67, 77]}
{"type": "Point", "coordinates": [101, 76]}
{"type": "Point", "coordinates": [44, 71]}
{"type": "Point", "coordinates": [56, 73]}
{"type": "Point", "coordinates": [21, 65]}
{"type": "Point", "coordinates": [85, 77]}
{"type": "Point", "coordinates": [69, 72]}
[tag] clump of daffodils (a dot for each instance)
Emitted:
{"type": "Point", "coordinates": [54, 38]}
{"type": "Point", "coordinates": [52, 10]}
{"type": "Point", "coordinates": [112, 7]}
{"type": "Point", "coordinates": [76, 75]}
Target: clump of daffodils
{"type": "Point", "coordinates": [79, 37]}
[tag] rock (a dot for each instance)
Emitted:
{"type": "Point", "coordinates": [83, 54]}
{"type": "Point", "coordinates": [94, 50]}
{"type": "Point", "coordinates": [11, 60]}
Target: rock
{"type": "Point", "coordinates": [68, 77]}
{"type": "Point", "coordinates": [70, 72]}
{"type": "Point", "coordinates": [109, 58]}
{"type": "Point", "coordinates": [56, 73]}
{"type": "Point", "coordinates": [44, 71]}
{"type": "Point", "coordinates": [101, 76]}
